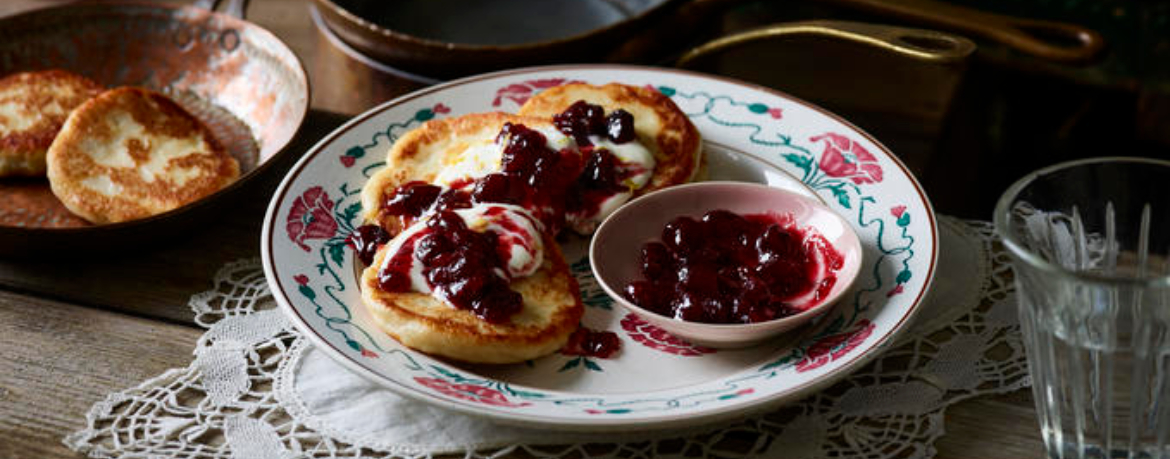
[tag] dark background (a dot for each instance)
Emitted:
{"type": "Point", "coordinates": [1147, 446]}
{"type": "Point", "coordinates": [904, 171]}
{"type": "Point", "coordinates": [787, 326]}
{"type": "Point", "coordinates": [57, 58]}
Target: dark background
{"type": "Point", "coordinates": [1012, 113]}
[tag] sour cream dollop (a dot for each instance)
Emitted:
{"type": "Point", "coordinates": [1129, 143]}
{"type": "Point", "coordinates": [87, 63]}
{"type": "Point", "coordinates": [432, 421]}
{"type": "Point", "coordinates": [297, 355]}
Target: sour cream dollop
{"type": "Point", "coordinates": [637, 161]}
{"type": "Point", "coordinates": [519, 241]}
{"type": "Point", "coordinates": [484, 157]}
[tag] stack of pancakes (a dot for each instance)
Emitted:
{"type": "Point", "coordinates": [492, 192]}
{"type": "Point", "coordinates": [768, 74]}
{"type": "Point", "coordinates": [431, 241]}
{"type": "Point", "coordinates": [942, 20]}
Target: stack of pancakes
{"type": "Point", "coordinates": [110, 156]}
{"type": "Point", "coordinates": [552, 306]}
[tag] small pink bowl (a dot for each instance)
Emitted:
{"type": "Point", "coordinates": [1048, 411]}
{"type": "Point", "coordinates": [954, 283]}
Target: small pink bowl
{"type": "Point", "coordinates": [618, 241]}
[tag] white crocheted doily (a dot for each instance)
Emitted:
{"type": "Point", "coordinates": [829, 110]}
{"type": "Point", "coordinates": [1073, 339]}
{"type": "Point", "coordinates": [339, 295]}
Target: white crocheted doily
{"type": "Point", "coordinates": [256, 389]}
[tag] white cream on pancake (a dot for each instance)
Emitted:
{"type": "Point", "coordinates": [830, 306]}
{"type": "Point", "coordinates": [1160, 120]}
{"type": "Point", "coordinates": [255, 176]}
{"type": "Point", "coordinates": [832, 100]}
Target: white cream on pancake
{"type": "Point", "coordinates": [515, 227]}
{"type": "Point", "coordinates": [636, 158]}
{"type": "Point", "coordinates": [418, 282]}
{"type": "Point", "coordinates": [634, 155]}
{"type": "Point", "coordinates": [517, 230]}
{"type": "Point", "coordinates": [484, 157]}
{"type": "Point", "coordinates": [585, 222]}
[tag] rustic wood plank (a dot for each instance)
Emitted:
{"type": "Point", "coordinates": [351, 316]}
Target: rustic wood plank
{"type": "Point", "coordinates": [992, 427]}
{"type": "Point", "coordinates": [11, 7]}
{"type": "Point", "coordinates": [289, 20]}
{"type": "Point", "coordinates": [157, 281]}
{"type": "Point", "coordinates": [57, 360]}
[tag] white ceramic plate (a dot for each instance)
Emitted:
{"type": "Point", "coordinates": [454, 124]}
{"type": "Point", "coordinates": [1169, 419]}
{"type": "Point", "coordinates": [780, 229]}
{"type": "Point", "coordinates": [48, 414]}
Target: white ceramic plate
{"type": "Point", "coordinates": [655, 381]}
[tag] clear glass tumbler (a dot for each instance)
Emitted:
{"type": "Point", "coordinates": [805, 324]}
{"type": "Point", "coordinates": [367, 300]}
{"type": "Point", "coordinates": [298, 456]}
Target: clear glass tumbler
{"type": "Point", "coordinates": [1090, 244]}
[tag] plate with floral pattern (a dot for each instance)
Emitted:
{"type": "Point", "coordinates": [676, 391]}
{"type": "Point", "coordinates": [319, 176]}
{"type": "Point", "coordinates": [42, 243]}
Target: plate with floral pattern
{"type": "Point", "coordinates": [656, 380]}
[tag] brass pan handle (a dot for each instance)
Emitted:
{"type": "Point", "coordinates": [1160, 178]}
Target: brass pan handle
{"type": "Point", "coordinates": [917, 44]}
{"type": "Point", "coordinates": [1054, 41]}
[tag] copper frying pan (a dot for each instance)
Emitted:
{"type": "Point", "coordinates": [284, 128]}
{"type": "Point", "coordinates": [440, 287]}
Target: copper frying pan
{"type": "Point", "coordinates": [238, 78]}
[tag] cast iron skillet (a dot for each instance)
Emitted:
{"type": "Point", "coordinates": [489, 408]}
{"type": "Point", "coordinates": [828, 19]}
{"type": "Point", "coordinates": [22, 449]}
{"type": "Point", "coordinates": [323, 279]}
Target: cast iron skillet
{"type": "Point", "coordinates": [450, 38]}
{"type": "Point", "coordinates": [235, 76]}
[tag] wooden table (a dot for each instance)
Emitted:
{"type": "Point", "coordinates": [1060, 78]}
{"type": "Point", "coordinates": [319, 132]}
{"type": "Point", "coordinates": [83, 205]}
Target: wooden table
{"type": "Point", "coordinates": [73, 331]}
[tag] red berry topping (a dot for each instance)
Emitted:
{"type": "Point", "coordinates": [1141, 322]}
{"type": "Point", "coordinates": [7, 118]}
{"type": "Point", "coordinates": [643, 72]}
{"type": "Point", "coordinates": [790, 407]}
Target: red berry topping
{"type": "Point", "coordinates": [728, 268]}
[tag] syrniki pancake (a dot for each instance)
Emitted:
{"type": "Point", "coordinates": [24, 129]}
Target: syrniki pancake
{"type": "Point", "coordinates": [551, 310]}
{"type": "Point", "coordinates": [442, 150]}
{"type": "Point", "coordinates": [130, 153]}
{"type": "Point", "coordinates": [659, 124]}
{"type": "Point", "coordinates": [463, 153]}
{"type": "Point", "coordinates": [33, 106]}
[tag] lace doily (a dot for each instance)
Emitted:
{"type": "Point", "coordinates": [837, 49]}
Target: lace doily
{"type": "Point", "coordinates": [257, 389]}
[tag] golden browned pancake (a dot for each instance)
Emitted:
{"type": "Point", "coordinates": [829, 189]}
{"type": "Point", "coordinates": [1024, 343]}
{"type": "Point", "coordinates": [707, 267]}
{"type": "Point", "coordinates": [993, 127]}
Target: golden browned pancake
{"type": "Point", "coordinates": [659, 124]}
{"type": "Point", "coordinates": [130, 153]}
{"type": "Point", "coordinates": [552, 309]}
{"type": "Point", "coordinates": [440, 151]}
{"type": "Point", "coordinates": [33, 106]}
{"type": "Point", "coordinates": [434, 151]}
{"type": "Point", "coordinates": [448, 143]}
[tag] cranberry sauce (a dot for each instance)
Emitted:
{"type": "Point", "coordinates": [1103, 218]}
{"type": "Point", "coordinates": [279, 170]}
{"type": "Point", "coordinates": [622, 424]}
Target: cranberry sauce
{"type": "Point", "coordinates": [592, 343]}
{"type": "Point", "coordinates": [394, 275]}
{"type": "Point", "coordinates": [459, 265]}
{"type": "Point", "coordinates": [603, 174]}
{"type": "Point", "coordinates": [728, 268]}
{"type": "Point", "coordinates": [559, 182]}
{"type": "Point", "coordinates": [583, 119]}
{"type": "Point", "coordinates": [532, 175]}
{"type": "Point", "coordinates": [411, 199]}
{"type": "Point", "coordinates": [365, 241]}
{"type": "Point", "coordinates": [601, 178]}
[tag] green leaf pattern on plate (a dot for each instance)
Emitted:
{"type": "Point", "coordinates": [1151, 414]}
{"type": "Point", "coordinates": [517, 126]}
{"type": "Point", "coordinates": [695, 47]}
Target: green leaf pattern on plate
{"type": "Point", "coordinates": [759, 124]}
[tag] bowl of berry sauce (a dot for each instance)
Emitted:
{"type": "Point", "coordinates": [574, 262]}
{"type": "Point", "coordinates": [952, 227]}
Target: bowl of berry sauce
{"type": "Point", "coordinates": [725, 264]}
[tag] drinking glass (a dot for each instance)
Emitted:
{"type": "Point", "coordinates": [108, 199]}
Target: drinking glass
{"type": "Point", "coordinates": [1090, 247]}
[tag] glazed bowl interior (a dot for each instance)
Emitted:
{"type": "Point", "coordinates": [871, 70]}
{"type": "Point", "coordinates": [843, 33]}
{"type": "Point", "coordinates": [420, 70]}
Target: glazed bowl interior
{"type": "Point", "coordinates": [614, 251]}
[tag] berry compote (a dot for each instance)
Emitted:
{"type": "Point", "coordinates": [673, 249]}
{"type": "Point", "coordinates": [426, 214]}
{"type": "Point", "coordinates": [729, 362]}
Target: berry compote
{"type": "Point", "coordinates": [412, 200]}
{"type": "Point", "coordinates": [548, 183]}
{"type": "Point", "coordinates": [730, 268]}
{"type": "Point", "coordinates": [366, 240]}
{"type": "Point", "coordinates": [583, 119]}
{"type": "Point", "coordinates": [460, 266]}
{"type": "Point", "coordinates": [603, 175]}
{"type": "Point", "coordinates": [592, 343]}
